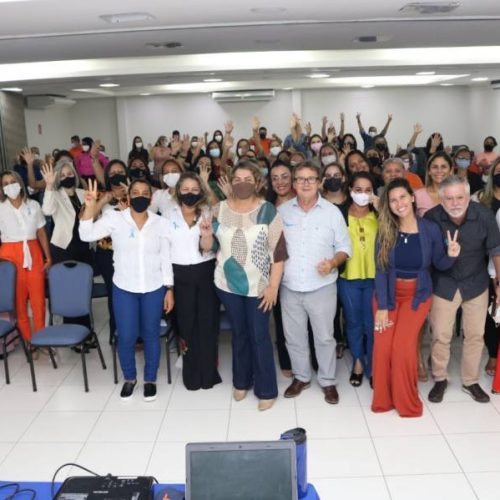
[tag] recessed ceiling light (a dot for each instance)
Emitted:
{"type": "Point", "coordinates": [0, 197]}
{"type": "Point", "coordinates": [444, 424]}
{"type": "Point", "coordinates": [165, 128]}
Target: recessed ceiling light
{"type": "Point", "coordinates": [446, 84]}
{"type": "Point", "coordinates": [479, 79]}
{"type": "Point", "coordinates": [318, 75]}
{"type": "Point", "coordinates": [426, 73]}
{"type": "Point", "coordinates": [127, 17]}
{"type": "Point", "coordinates": [145, 93]}
{"type": "Point", "coordinates": [367, 86]}
{"type": "Point", "coordinates": [12, 89]}
{"type": "Point", "coordinates": [267, 10]}
{"type": "Point", "coordinates": [288, 88]}
{"type": "Point", "coordinates": [109, 85]}
{"type": "Point", "coordinates": [212, 80]}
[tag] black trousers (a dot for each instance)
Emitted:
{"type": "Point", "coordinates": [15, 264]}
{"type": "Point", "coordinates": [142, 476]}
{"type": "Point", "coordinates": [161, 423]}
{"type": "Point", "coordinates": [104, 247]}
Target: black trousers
{"type": "Point", "coordinates": [197, 312]}
{"type": "Point", "coordinates": [104, 264]}
{"type": "Point", "coordinates": [491, 331]}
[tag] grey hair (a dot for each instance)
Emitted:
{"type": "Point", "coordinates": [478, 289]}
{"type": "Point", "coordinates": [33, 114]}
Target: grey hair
{"type": "Point", "coordinates": [453, 180]}
{"type": "Point", "coordinates": [58, 168]}
{"type": "Point", "coordinates": [397, 161]}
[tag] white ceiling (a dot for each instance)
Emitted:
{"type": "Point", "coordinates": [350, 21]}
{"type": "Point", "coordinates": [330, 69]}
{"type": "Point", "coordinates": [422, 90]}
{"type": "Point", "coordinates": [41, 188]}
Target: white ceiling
{"type": "Point", "coordinates": [38, 31]}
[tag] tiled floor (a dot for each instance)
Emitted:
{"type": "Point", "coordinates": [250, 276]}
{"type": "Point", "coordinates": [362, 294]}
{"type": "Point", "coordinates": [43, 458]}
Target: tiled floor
{"type": "Point", "coordinates": [453, 451]}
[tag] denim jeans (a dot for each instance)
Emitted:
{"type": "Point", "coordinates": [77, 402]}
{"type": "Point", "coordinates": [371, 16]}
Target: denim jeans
{"type": "Point", "coordinates": [138, 314]}
{"type": "Point", "coordinates": [253, 358]}
{"type": "Point", "coordinates": [356, 297]}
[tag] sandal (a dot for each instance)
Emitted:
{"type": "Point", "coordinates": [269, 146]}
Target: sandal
{"type": "Point", "coordinates": [491, 367]}
{"type": "Point", "coordinates": [356, 379]}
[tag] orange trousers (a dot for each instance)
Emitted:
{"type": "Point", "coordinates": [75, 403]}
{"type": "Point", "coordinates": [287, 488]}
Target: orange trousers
{"type": "Point", "coordinates": [395, 355]}
{"type": "Point", "coordinates": [30, 285]}
{"type": "Point", "coordinates": [496, 380]}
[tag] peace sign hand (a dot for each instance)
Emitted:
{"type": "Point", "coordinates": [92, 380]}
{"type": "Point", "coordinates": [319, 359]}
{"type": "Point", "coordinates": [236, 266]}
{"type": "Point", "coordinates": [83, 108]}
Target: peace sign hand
{"type": "Point", "coordinates": [453, 244]}
{"type": "Point", "coordinates": [90, 196]}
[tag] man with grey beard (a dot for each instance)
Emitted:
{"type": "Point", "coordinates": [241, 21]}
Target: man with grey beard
{"type": "Point", "coordinates": [464, 285]}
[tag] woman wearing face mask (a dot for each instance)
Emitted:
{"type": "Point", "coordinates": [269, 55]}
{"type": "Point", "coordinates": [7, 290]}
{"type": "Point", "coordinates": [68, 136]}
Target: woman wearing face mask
{"type": "Point", "coordinates": [138, 170]}
{"type": "Point", "coordinates": [380, 144]}
{"type": "Point", "coordinates": [328, 154]}
{"type": "Point", "coordinates": [24, 243]}
{"type": "Point", "coordinates": [91, 163]}
{"type": "Point", "coordinates": [407, 248]}
{"type": "Point", "coordinates": [143, 279]}
{"type": "Point", "coordinates": [195, 150]}
{"type": "Point", "coordinates": [163, 198]}
{"type": "Point", "coordinates": [250, 259]}
{"type": "Point", "coordinates": [439, 166]}
{"type": "Point", "coordinates": [242, 148]}
{"type": "Point", "coordinates": [159, 153]}
{"type": "Point", "coordinates": [114, 198]}
{"type": "Point", "coordinates": [138, 151]}
{"type": "Point", "coordinates": [218, 137]}
{"type": "Point", "coordinates": [356, 281]}
{"type": "Point", "coordinates": [218, 157]}
{"type": "Point", "coordinates": [315, 144]}
{"type": "Point", "coordinates": [485, 159]}
{"type": "Point", "coordinates": [196, 303]}
{"type": "Point", "coordinates": [490, 197]}
{"type": "Point", "coordinates": [462, 160]}
{"type": "Point", "coordinates": [347, 144]}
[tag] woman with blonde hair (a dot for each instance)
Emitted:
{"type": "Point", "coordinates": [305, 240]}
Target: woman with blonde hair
{"type": "Point", "coordinates": [407, 247]}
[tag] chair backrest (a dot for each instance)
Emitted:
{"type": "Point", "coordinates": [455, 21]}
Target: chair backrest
{"type": "Point", "coordinates": [70, 289]}
{"type": "Point", "coordinates": [7, 286]}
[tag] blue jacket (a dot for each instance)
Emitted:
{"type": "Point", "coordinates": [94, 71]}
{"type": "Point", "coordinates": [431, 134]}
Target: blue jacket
{"type": "Point", "coordinates": [434, 253]}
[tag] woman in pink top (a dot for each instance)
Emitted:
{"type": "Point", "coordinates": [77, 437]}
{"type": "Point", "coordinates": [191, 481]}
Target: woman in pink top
{"type": "Point", "coordinates": [439, 166]}
{"type": "Point", "coordinates": [484, 160]}
{"type": "Point", "coordinates": [90, 164]}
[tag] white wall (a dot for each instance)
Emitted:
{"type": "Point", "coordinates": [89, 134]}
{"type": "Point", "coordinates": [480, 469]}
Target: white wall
{"type": "Point", "coordinates": [461, 114]}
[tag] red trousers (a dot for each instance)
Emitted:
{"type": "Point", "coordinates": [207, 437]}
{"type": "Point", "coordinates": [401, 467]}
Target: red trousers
{"type": "Point", "coordinates": [496, 380]}
{"type": "Point", "coordinates": [395, 355]}
{"type": "Point", "coordinates": [30, 285]}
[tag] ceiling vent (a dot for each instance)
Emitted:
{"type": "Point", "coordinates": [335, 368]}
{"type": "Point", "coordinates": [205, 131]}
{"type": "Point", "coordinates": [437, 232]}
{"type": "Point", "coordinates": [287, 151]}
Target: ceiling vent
{"type": "Point", "coordinates": [495, 84]}
{"type": "Point", "coordinates": [48, 102]}
{"type": "Point", "coordinates": [429, 7]}
{"type": "Point", "coordinates": [243, 95]}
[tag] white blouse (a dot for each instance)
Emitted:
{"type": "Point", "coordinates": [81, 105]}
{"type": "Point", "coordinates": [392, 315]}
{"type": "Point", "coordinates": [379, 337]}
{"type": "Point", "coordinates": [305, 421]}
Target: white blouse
{"type": "Point", "coordinates": [21, 224]}
{"type": "Point", "coordinates": [184, 240]}
{"type": "Point", "coordinates": [141, 257]}
{"type": "Point", "coordinates": [161, 202]}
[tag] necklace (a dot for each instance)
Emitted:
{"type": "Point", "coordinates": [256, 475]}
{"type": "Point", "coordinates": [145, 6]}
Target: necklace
{"type": "Point", "coordinates": [405, 237]}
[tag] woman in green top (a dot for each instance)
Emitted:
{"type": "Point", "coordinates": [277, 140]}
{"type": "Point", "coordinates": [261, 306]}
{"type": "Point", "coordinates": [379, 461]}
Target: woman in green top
{"type": "Point", "coordinates": [357, 280]}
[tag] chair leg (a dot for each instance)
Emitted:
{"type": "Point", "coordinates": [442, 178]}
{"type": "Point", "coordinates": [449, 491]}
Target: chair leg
{"type": "Point", "coordinates": [84, 367]}
{"type": "Point", "coordinates": [32, 367]}
{"type": "Point", "coordinates": [5, 360]}
{"type": "Point", "coordinates": [52, 358]}
{"type": "Point", "coordinates": [169, 368]}
{"type": "Point", "coordinates": [115, 367]}
{"type": "Point", "coordinates": [25, 349]}
{"type": "Point", "coordinates": [103, 363]}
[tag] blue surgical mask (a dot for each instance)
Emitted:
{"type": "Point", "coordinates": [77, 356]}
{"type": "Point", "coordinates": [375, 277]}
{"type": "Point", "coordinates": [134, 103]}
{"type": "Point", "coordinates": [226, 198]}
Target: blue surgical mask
{"type": "Point", "coordinates": [462, 162]}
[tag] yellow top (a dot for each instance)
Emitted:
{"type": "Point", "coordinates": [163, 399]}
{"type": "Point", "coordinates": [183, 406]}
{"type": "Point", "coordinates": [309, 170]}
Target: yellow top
{"type": "Point", "coordinates": [363, 232]}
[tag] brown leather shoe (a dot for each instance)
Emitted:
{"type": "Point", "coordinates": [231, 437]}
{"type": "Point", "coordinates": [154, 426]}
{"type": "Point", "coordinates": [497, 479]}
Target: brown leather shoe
{"type": "Point", "coordinates": [295, 388]}
{"type": "Point", "coordinates": [331, 394]}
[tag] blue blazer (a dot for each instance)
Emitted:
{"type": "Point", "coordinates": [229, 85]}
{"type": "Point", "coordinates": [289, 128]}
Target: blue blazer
{"type": "Point", "coordinates": [434, 253]}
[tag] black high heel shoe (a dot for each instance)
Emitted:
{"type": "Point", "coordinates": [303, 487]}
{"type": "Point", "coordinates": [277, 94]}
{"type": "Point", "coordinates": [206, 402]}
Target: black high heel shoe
{"type": "Point", "coordinates": [356, 379]}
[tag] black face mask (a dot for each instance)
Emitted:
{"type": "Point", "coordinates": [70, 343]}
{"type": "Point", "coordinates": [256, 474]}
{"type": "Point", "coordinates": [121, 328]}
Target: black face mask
{"type": "Point", "coordinates": [381, 146]}
{"type": "Point", "coordinates": [118, 179]}
{"type": "Point", "coordinates": [137, 173]}
{"type": "Point", "coordinates": [262, 135]}
{"type": "Point", "coordinates": [496, 180]}
{"type": "Point", "coordinates": [332, 184]}
{"type": "Point", "coordinates": [189, 199]}
{"type": "Point", "coordinates": [488, 148]}
{"type": "Point", "coordinates": [373, 161]}
{"type": "Point", "coordinates": [140, 203]}
{"type": "Point", "coordinates": [67, 182]}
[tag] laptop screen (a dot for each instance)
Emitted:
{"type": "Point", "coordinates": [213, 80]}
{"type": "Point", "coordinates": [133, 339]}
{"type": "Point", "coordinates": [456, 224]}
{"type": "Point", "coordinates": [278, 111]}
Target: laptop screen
{"type": "Point", "coordinates": [241, 471]}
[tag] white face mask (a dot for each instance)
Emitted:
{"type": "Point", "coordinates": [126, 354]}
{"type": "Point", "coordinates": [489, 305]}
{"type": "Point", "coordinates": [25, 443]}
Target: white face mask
{"type": "Point", "coordinates": [12, 190]}
{"type": "Point", "coordinates": [171, 179]}
{"type": "Point", "coordinates": [406, 163]}
{"type": "Point", "coordinates": [485, 178]}
{"type": "Point", "coordinates": [74, 144]}
{"type": "Point", "coordinates": [275, 150]}
{"type": "Point", "coordinates": [138, 145]}
{"type": "Point", "coordinates": [85, 147]}
{"type": "Point", "coordinates": [218, 138]}
{"type": "Point", "coordinates": [372, 133]}
{"type": "Point", "coordinates": [36, 156]}
{"type": "Point", "coordinates": [214, 153]}
{"type": "Point", "coordinates": [326, 160]}
{"type": "Point", "coordinates": [194, 144]}
{"type": "Point", "coordinates": [361, 199]}
{"type": "Point", "coordinates": [240, 152]}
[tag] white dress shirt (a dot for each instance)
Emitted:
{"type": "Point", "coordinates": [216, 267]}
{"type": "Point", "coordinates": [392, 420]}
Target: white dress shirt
{"type": "Point", "coordinates": [161, 202]}
{"type": "Point", "coordinates": [58, 205]}
{"type": "Point", "coordinates": [141, 257]}
{"type": "Point", "coordinates": [184, 240]}
{"type": "Point", "coordinates": [312, 236]}
{"type": "Point", "coordinates": [21, 224]}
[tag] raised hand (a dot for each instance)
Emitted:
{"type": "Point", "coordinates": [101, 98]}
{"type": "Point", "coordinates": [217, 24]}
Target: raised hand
{"type": "Point", "coordinates": [308, 128]}
{"type": "Point", "coordinates": [436, 141]}
{"type": "Point", "coordinates": [453, 244]}
{"type": "Point", "coordinates": [331, 133]}
{"type": "Point", "coordinates": [228, 142]}
{"type": "Point", "coordinates": [175, 145]}
{"type": "Point", "coordinates": [229, 127]}
{"type": "Point", "coordinates": [90, 196]}
{"type": "Point", "coordinates": [186, 144]}
{"type": "Point", "coordinates": [225, 186]}
{"type": "Point", "coordinates": [205, 170]}
{"type": "Point", "coordinates": [342, 117]}
{"type": "Point", "coordinates": [417, 128]}
{"type": "Point", "coordinates": [389, 116]}
{"type": "Point", "coordinates": [358, 116]}
{"type": "Point", "coordinates": [94, 150]}
{"type": "Point", "coordinates": [48, 175]}
{"type": "Point", "coordinates": [28, 156]}
{"type": "Point", "coordinates": [255, 123]}
{"type": "Point", "coordinates": [324, 121]}
{"type": "Point", "coordinates": [206, 228]}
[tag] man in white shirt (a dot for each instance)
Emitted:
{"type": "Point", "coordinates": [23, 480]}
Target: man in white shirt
{"type": "Point", "coordinates": [318, 244]}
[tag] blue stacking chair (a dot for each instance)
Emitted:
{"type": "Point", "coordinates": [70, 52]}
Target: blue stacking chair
{"type": "Point", "coordinates": [70, 295]}
{"type": "Point", "coordinates": [8, 305]}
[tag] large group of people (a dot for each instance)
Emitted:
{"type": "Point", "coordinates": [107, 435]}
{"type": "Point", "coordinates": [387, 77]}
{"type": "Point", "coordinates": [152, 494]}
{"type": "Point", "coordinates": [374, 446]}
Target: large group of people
{"type": "Point", "coordinates": [360, 248]}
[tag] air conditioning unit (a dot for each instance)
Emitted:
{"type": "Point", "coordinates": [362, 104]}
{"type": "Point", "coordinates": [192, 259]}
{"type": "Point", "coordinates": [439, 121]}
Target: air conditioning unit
{"type": "Point", "coordinates": [48, 102]}
{"type": "Point", "coordinates": [243, 95]}
{"type": "Point", "coordinates": [495, 84]}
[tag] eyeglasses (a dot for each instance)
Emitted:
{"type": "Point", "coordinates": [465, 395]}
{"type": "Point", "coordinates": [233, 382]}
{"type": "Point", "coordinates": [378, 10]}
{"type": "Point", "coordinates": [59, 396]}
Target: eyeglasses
{"type": "Point", "coordinates": [306, 180]}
